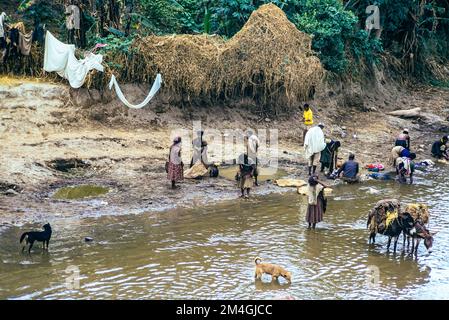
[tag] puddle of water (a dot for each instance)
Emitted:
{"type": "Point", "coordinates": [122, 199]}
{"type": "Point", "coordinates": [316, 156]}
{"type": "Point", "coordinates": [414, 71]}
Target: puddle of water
{"type": "Point", "coordinates": [80, 192]}
{"type": "Point", "coordinates": [265, 173]}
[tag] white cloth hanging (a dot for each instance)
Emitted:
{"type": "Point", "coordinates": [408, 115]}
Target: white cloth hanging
{"type": "Point", "coordinates": [60, 57]}
{"type": "Point", "coordinates": [154, 89]}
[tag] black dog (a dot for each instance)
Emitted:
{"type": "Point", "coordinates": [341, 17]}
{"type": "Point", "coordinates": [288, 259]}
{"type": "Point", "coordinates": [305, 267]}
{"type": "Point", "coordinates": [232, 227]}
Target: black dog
{"type": "Point", "coordinates": [42, 236]}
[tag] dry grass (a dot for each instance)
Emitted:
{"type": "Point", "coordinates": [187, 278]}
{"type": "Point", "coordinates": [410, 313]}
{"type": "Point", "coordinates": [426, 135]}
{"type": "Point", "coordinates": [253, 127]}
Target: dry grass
{"type": "Point", "coordinates": [269, 60]}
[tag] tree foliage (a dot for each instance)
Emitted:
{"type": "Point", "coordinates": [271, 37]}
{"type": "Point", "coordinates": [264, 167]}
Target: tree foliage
{"type": "Point", "coordinates": [415, 32]}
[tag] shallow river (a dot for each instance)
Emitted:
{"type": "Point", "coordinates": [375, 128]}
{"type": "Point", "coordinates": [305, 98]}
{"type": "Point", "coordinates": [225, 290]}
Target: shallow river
{"type": "Point", "coordinates": [208, 252]}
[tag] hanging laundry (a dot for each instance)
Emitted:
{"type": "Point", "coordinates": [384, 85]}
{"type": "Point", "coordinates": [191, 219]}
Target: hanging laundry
{"type": "Point", "coordinates": [25, 42]}
{"type": "Point", "coordinates": [154, 89]}
{"type": "Point", "coordinates": [60, 57]}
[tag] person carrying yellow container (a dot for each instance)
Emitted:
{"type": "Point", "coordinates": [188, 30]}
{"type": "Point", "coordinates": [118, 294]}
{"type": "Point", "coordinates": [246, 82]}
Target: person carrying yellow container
{"type": "Point", "coordinates": [308, 120]}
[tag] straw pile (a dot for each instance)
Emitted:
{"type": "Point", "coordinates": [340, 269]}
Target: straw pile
{"type": "Point", "coordinates": [377, 217]}
{"type": "Point", "coordinates": [188, 63]}
{"type": "Point", "coordinates": [269, 59]}
{"type": "Point", "coordinates": [418, 211]}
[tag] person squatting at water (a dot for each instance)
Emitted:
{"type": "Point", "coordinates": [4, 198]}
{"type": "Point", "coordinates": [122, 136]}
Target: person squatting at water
{"type": "Point", "coordinates": [400, 152]}
{"type": "Point", "coordinates": [199, 150]}
{"type": "Point", "coordinates": [403, 140]}
{"type": "Point", "coordinates": [350, 170]}
{"type": "Point", "coordinates": [175, 166]}
{"type": "Point", "coordinates": [316, 201]}
{"type": "Point", "coordinates": [252, 147]}
{"type": "Point", "coordinates": [308, 121]}
{"type": "Point", "coordinates": [439, 148]}
{"type": "Point", "coordinates": [246, 173]}
{"type": "Point", "coordinates": [329, 156]}
{"type": "Point", "coordinates": [314, 143]}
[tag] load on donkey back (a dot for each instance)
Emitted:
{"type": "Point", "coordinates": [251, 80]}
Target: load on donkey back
{"type": "Point", "coordinates": [388, 218]}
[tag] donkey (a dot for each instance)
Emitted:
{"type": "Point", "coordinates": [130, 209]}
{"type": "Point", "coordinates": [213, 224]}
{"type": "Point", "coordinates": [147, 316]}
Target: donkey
{"type": "Point", "coordinates": [418, 232]}
{"type": "Point", "coordinates": [400, 224]}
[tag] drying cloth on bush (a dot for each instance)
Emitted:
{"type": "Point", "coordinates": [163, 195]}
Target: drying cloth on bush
{"type": "Point", "coordinates": [314, 142]}
{"type": "Point", "coordinates": [25, 41]}
{"type": "Point", "coordinates": [156, 85]}
{"type": "Point", "coordinates": [2, 19]}
{"type": "Point", "coordinates": [60, 57]}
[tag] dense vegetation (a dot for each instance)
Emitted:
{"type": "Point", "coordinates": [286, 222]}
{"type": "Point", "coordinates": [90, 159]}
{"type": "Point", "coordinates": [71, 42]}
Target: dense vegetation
{"type": "Point", "coordinates": [413, 39]}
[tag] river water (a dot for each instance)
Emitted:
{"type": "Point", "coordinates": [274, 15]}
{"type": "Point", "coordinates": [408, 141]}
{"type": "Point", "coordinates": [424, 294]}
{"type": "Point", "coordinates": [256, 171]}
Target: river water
{"type": "Point", "coordinates": [208, 252]}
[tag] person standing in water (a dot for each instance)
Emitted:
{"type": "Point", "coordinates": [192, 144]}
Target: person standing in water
{"type": "Point", "coordinates": [316, 201]}
{"type": "Point", "coordinates": [175, 170]}
{"type": "Point", "coordinates": [246, 173]}
{"type": "Point", "coordinates": [308, 120]}
{"type": "Point", "coordinates": [252, 147]}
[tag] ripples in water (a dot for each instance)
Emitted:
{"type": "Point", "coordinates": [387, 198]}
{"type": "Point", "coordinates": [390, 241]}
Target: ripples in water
{"type": "Point", "coordinates": [208, 252]}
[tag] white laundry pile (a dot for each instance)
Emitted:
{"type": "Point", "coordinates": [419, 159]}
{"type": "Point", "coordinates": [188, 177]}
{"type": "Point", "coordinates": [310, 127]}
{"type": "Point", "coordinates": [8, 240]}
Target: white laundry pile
{"type": "Point", "coordinates": [154, 89]}
{"type": "Point", "coordinates": [60, 57]}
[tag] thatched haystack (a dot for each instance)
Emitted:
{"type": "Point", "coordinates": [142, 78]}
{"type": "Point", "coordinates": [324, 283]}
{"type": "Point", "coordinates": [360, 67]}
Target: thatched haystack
{"type": "Point", "coordinates": [188, 63]}
{"type": "Point", "coordinates": [269, 58]}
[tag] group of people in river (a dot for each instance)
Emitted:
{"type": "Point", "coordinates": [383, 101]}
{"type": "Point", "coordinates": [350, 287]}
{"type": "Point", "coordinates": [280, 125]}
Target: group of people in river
{"type": "Point", "coordinates": [317, 150]}
{"type": "Point", "coordinates": [248, 161]}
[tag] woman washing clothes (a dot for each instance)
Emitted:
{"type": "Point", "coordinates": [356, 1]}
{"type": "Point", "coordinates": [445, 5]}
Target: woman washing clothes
{"type": "Point", "coordinates": [400, 152]}
{"type": "Point", "coordinates": [316, 201]}
{"type": "Point", "coordinates": [405, 167]}
{"type": "Point", "coordinates": [175, 170]}
{"type": "Point", "coordinates": [329, 156]}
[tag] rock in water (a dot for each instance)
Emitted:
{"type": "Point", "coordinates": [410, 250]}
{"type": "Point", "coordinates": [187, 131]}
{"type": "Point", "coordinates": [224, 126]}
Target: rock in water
{"type": "Point", "coordinates": [88, 239]}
